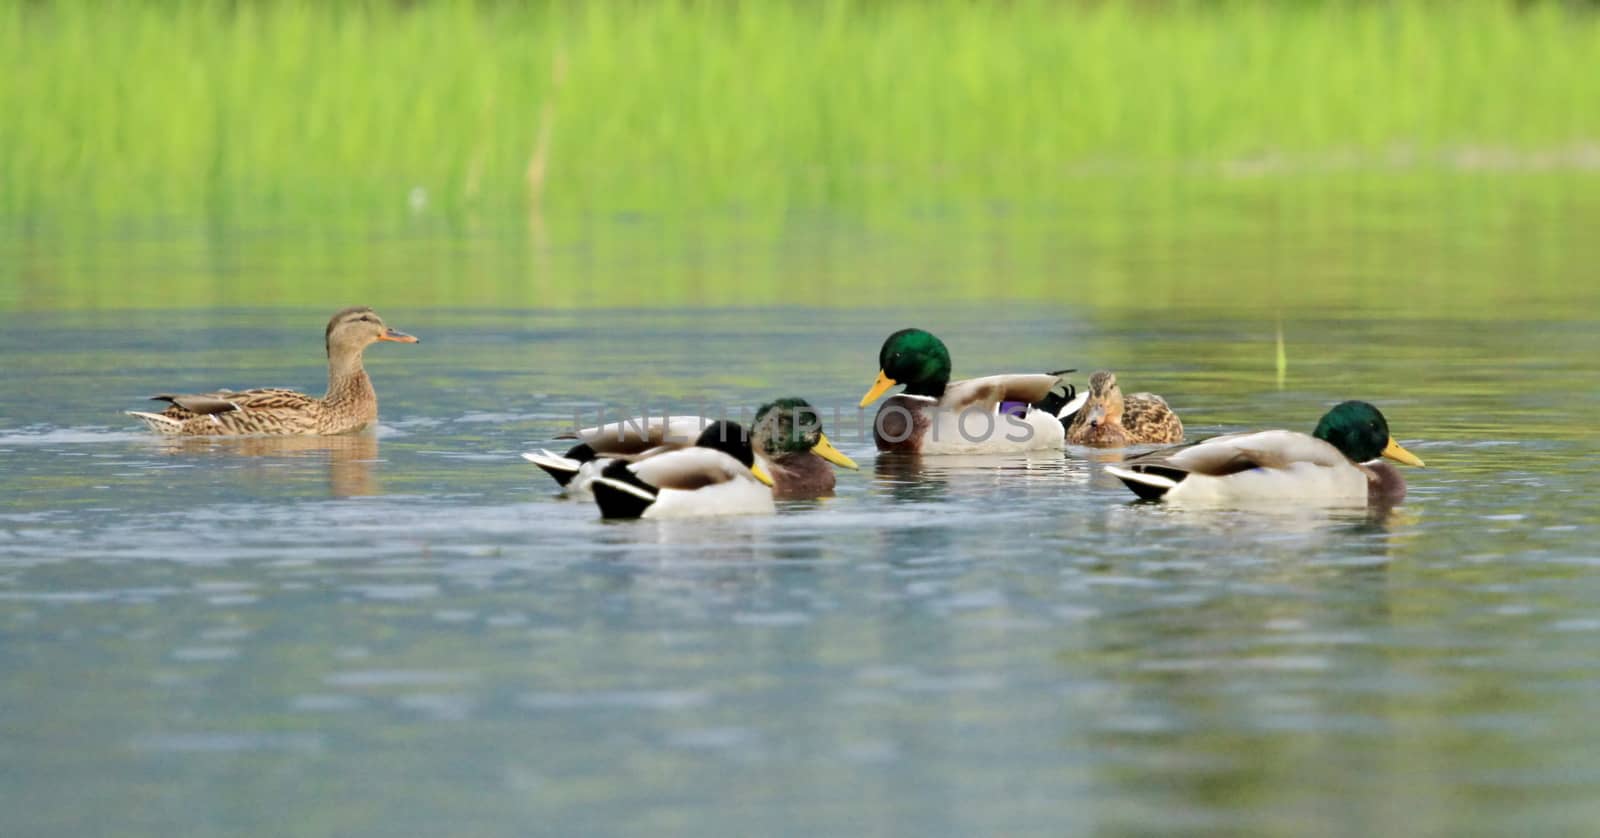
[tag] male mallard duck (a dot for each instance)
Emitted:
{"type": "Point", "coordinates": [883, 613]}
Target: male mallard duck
{"type": "Point", "coordinates": [996, 414]}
{"type": "Point", "coordinates": [789, 440]}
{"type": "Point", "coordinates": [1110, 420]}
{"type": "Point", "coordinates": [629, 439]}
{"type": "Point", "coordinates": [349, 406]}
{"type": "Point", "coordinates": [1338, 462]}
{"type": "Point", "coordinates": [718, 476]}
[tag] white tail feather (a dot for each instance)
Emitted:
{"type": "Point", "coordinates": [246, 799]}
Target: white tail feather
{"type": "Point", "coordinates": [626, 487]}
{"type": "Point", "coordinates": [158, 423]}
{"type": "Point", "coordinates": [552, 462]}
{"type": "Point", "coordinates": [1141, 477]}
{"type": "Point", "coordinates": [1073, 406]}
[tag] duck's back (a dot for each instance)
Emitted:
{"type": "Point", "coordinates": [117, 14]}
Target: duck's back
{"type": "Point", "coordinates": [1260, 466]}
{"type": "Point", "coordinates": [1148, 419]}
{"type": "Point", "coordinates": [267, 410]}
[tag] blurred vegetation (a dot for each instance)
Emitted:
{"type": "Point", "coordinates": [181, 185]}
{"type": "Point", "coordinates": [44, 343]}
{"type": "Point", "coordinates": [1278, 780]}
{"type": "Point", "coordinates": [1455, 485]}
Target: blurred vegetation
{"type": "Point", "coordinates": [366, 110]}
{"type": "Point", "coordinates": [1438, 155]}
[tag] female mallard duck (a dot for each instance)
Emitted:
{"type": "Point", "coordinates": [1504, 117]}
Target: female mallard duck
{"type": "Point", "coordinates": [349, 406]}
{"type": "Point", "coordinates": [1337, 463]}
{"type": "Point", "coordinates": [1110, 420]}
{"type": "Point", "coordinates": [717, 476]}
{"type": "Point", "coordinates": [996, 414]}
{"type": "Point", "coordinates": [789, 441]}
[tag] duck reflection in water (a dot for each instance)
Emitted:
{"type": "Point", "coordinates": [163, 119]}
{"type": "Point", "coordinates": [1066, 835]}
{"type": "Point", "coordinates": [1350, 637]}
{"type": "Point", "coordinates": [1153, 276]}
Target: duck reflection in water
{"type": "Point", "coordinates": [907, 478]}
{"type": "Point", "coordinates": [349, 458]}
{"type": "Point", "coordinates": [914, 478]}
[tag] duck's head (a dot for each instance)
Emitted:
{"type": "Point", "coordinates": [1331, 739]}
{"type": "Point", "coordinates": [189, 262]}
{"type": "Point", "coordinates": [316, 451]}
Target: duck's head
{"type": "Point", "coordinates": [1361, 433]}
{"type": "Point", "coordinates": [731, 439]}
{"type": "Point", "coordinates": [914, 358]}
{"type": "Point", "coordinates": [1104, 406]}
{"type": "Point", "coordinates": [791, 426]}
{"type": "Point", "coordinates": [357, 328]}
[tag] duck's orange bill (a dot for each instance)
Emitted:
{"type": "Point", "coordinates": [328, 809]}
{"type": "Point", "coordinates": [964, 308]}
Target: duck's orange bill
{"type": "Point", "coordinates": [883, 383]}
{"type": "Point", "coordinates": [1400, 455]}
{"type": "Point", "coordinates": [397, 337]}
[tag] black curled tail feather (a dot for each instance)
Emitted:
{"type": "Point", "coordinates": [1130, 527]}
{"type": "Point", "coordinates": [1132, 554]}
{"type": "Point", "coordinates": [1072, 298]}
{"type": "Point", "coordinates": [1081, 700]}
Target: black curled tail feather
{"type": "Point", "coordinates": [1059, 397]}
{"type": "Point", "coordinates": [617, 501]}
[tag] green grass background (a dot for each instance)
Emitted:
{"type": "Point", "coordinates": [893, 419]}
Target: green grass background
{"type": "Point", "coordinates": [1440, 155]}
{"type": "Point", "coordinates": [130, 108]}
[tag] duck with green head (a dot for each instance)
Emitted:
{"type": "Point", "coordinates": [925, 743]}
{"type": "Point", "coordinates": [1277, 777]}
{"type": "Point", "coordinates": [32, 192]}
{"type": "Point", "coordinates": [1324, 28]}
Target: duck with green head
{"type": "Point", "coordinates": [718, 475]}
{"type": "Point", "coordinates": [1339, 462]}
{"type": "Point", "coordinates": [788, 439]}
{"type": "Point", "coordinates": [995, 414]}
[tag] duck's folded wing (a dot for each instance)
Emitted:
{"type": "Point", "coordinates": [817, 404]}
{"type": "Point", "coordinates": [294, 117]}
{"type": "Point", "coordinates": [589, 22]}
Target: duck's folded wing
{"type": "Point", "coordinates": [688, 469]}
{"type": "Point", "coordinates": [1233, 453]}
{"type": "Point", "coordinates": [1148, 412]}
{"type": "Point", "coordinates": [200, 404]}
{"type": "Point", "coordinates": [989, 391]}
{"type": "Point", "coordinates": [633, 436]}
{"type": "Point", "coordinates": [226, 401]}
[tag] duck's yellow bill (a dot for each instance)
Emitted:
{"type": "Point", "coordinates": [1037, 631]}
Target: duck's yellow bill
{"type": "Point", "coordinates": [826, 451]}
{"type": "Point", "coordinates": [761, 474]}
{"type": "Point", "coordinates": [1400, 455]}
{"type": "Point", "coordinates": [883, 383]}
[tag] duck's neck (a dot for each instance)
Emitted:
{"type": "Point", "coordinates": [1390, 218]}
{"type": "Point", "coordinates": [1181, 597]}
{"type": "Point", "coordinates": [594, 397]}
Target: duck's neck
{"type": "Point", "coordinates": [933, 388]}
{"type": "Point", "coordinates": [800, 475]}
{"type": "Point", "coordinates": [1384, 482]}
{"type": "Point", "coordinates": [347, 381]}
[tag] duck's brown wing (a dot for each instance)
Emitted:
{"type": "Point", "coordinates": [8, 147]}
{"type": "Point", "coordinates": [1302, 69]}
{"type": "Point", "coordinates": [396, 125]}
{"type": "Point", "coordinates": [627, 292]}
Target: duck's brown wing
{"type": "Point", "coordinates": [1148, 419]}
{"type": "Point", "coordinates": [688, 469]}
{"type": "Point", "coordinates": [188, 406]}
{"type": "Point", "coordinates": [989, 391]}
{"type": "Point", "coordinates": [1220, 456]}
{"type": "Point", "coordinates": [637, 435]}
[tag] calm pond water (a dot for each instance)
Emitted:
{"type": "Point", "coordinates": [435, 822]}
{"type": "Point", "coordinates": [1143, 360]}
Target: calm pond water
{"type": "Point", "coordinates": [407, 633]}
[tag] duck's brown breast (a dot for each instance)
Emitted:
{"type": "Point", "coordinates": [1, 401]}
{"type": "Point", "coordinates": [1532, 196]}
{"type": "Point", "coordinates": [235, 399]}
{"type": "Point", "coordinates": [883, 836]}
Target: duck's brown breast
{"type": "Point", "coordinates": [1385, 485]}
{"type": "Point", "coordinates": [901, 425]}
{"type": "Point", "coordinates": [803, 475]}
{"type": "Point", "coordinates": [1103, 435]}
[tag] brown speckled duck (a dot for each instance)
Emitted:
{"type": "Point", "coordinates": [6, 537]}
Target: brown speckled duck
{"type": "Point", "coordinates": [350, 404]}
{"type": "Point", "coordinates": [1110, 420]}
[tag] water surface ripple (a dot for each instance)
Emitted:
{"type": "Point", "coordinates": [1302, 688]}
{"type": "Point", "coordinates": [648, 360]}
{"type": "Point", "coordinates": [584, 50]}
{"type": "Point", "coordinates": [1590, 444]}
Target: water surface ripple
{"type": "Point", "coordinates": [407, 633]}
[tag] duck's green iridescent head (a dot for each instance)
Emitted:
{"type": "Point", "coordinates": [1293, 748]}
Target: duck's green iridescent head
{"type": "Point", "coordinates": [792, 426]}
{"type": "Point", "coordinates": [914, 358]}
{"type": "Point", "coordinates": [1361, 433]}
